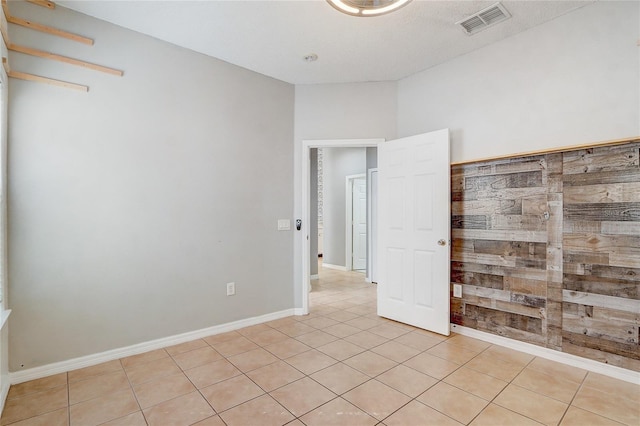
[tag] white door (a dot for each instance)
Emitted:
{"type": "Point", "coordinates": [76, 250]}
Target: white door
{"type": "Point", "coordinates": [373, 229]}
{"type": "Point", "coordinates": [359, 224]}
{"type": "Point", "coordinates": [414, 229]}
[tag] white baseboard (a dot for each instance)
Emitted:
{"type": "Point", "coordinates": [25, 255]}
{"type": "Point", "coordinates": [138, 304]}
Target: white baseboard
{"type": "Point", "coordinates": [314, 277]}
{"type": "Point", "coordinates": [553, 355]}
{"type": "Point", "coordinates": [330, 266]}
{"type": "Point", "coordinates": [89, 360]}
{"type": "Point", "coordinates": [300, 311]}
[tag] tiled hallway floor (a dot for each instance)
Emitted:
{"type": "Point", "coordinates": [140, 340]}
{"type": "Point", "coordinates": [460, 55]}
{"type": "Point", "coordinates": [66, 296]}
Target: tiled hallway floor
{"type": "Point", "coordinates": [341, 365]}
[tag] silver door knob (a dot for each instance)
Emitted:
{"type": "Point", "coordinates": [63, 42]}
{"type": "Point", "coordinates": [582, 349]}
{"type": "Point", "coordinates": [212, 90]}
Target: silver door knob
{"type": "Point", "coordinates": [442, 243]}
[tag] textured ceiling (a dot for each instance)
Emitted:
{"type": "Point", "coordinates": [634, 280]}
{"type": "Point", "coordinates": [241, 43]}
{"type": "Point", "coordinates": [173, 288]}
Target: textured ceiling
{"type": "Point", "coordinates": [272, 37]}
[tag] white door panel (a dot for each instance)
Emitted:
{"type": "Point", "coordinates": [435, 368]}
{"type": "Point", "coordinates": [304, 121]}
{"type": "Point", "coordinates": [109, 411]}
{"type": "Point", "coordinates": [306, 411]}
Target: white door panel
{"type": "Point", "coordinates": [359, 224]}
{"type": "Point", "coordinates": [413, 215]}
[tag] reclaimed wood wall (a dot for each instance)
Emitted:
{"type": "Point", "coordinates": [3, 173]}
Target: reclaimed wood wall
{"type": "Point", "coordinates": [547, 249]}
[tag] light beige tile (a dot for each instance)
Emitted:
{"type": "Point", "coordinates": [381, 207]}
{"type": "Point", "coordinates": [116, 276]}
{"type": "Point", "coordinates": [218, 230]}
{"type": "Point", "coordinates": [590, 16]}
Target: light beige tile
{"type": "Point", "coordinates": [97, 386]}
{"type": "Point", "coordinates": [133, 419]}
{"type": "Point", "coordinates": [54, 418]}
{"type": "Point", "coordinates": [287, 348]}
{"type": "Point", "coordinates": [468, 343]}
{"type": "Point", "coordinates": [234, 346]}
{"type": "Point", "coordinates": [320, 322]}
{"type": "Point", "coordinates": [388, 331]}
{"type": "Point", "coordinates": [268, 337]}
{"type": "Point", "coordinates": [376, 399]}
{"type": "Point", "coordinates": [95, 370]}
{"type": "Point", "coordinates": [140, 359]}
{"type": "Point", "coordinates": [530, 404]}
{"type": "Point", "coordinates": [545, 384]}
{"type": "Point", "coordinates": [231, 392]}
{"type": "Point", "coordinates": [274, 375]}
{"type": "Point", "coordinates": [432, 365]}
{"type": "Point", "coordinates": [22, 389]}
{"type": "Point", "coordinates": [610, 405]}
{"type": "Point", "coordinates": [418, 340]}
{"type": "Point", "coordinates": [270, 413]}
{"type": "Point", "coordinates": [280, 322]}
{"type": "Point", "coordinates": [341, 330]}
{"type": "Point", "coordinates": [510, 355]}
{"type": "Point", "coordinates": [208, 374]}
{"type": "Point", "coordinates": [453, 402]}
{"type": "Point", "coordinates": [479, 384]}
{"type": "Point", "coordinates": [34, 404]}
{"type": "Point", "coordinates": [104, 408]}
{"type": "Point", "coordinates": [453, 353]}
{"type": "Point", "coordinates": [295, 329]}
{"type": "Point", "coordinates": [395, 351]}
{"type": "Point", "coordinates": [251, 360]}
{"type": "Point", "coordinates": [494, 415]}
{"type": "Point", "coordinates": [339, 378]}
{"type": "Point", "coordinates": [558, 369]}
{"type": "Point", "coordinates": [311, 361]}
{"type": "Point", "coordinates": [366, 340]}
{"type": "Point", "coordinates": [502, 370]}
{"type": "Point", "coordinates": [362, 323]}
{"type": "Point", "coordinates": [416, 414]}
{"type": "Point", "coordinates": [186, 347]}
{"type": "Point", "coordinates": [254, 330]}
{"type": "Point", "coordinates": [222, 337]}
{"type": "Point", "coordinates": [407, 380]}
{"type": "Point", "coordinates": [302, 396]}
{"type": "Point", "coordinates": [210, 421]}
{"type": "Point", "coordinates": [163, 389]}
{"type": "Point", "coordinates": [342, 316]}
{"type": "Point", "coordinates": [578, 417]}
{"type": "Point", "coordinates": [338, 412]}
{"type": "Point", "coordinates": [370, 363]}
{"type": "Point", "coordinates": [152, 370]}
{"type": "Point", "coordinates": [196, 357]}
{"type": "Point", "coordinates": [610, 385]}
{"type": "Point", "coordinates": [340, 349]}
{"type": "Point", "coordinates": [184, 410]}
{"type": "Point", "coordinates": [316, 338]}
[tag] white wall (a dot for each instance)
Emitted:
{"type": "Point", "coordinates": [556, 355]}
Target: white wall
{"type": "Point", "coordinates": [338, 164]}
{"type": "Point", "coordinates": [337, 111]}
{"type": "Point", "coordinates": [132, 205]}
{"type": "Point", "coordinates": [569, 81]}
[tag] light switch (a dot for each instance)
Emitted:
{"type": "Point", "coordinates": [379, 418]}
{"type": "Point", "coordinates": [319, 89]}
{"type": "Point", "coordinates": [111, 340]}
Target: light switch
{"type": "Point", "coordinates": [284, 225]}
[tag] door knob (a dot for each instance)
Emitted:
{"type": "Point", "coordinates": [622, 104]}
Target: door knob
{"type": "Point", "coordinates": [442, 243]}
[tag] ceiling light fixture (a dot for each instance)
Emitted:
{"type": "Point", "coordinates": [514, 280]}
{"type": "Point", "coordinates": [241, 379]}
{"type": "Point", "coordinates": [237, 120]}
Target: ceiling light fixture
{"type": "Point", "coordinates": [367, 7]}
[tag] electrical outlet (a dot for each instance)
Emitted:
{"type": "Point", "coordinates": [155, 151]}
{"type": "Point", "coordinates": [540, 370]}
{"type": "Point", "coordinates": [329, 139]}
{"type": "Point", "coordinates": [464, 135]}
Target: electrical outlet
{"type": "Point", "coordinates": [231, 289]}
{"type": "Point", "coordinates": [457, 290]}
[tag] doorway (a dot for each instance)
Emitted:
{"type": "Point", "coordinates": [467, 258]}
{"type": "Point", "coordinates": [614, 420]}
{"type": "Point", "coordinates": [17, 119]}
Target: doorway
{"type": "Point", "coordinates": [356, 223]}
{"type": "Point", "coordinates": [304, 277]}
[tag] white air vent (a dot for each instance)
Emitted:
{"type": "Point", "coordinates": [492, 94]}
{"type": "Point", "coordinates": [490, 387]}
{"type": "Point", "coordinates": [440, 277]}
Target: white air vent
{"type": "Point", "coordinates": [484, 19]}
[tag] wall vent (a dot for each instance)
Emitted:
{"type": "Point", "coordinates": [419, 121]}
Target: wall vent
{"type": "Point", "coordinates": [484, 19]}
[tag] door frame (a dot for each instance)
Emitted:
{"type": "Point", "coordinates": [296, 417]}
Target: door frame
{"type": "Point", "coordinates": [304, 280]}
{"type": "Point", "coordinates": [371, 193]}
{"type": "Point", "coordinates": [348, 236]}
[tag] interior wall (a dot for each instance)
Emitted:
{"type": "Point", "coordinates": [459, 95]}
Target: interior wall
{"type": "Point", "coordinates": [569, 81]}
{"type": "Point", "coordinates": [337, 111]}
{"type": "Point", "coordinates": [338, 164]}
{"type": "Point", "coordinates": [133, 205]}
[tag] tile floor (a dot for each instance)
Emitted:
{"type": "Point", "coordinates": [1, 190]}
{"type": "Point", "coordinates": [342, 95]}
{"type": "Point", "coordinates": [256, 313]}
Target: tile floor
{"type": "Point", "coordinates": [340, 365]}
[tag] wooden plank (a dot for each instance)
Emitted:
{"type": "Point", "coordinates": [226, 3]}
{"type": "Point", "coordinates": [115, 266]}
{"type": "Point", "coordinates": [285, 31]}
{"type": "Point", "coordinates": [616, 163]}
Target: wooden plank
{"type": "Point", "coordinates": [478, 279]}
{"type": "Point", "coordinates": [527, 300]}
{"type": "Point", "coordinates": [531, 263]}
{"type": "Point", "coordinates": [37, 78]}
{"type": "Point", "coordinates": [582, 179]}
{"type": "Point", "coordinates": [597, 285]}
{"type": "Point", "coordinates": [621, 273]}
{"type": "Point", "coordinates": [503, 181]}
{"type": "Point", "coordinates": [44, 3]}
{"type": "Point", "coordinates": [485, 259]}
{"type": "Point", "coordinates": [490, 293]}
{"type": "Point", "coordinates": [534, 274]}
{"type": "Point", "coordinates": [602, 329]}
{"type": "Point", "coordinates": [508, 221]}
{"type": "Point", "coordinates": [614, 315]}
{"type": "Point", "coordinates": [552, 150]}
{"type": "Point", "coordinates": [48, 30]}
{"type": "Point", "coordinates": [507, 193]}
{"type": "Point", "coordinates": [620, 228]}
{"type": "Point", "coordinates": [535, 205]}
{"type": "Point", "coordinates": [469, 221]}
{"type": "Point", "coordinates": [520, 309]}
{"type": "Point", "coordinates": [603, 212]}
{"type": "Point", "coordinates": [601, 160]}
{"type": "Point", "coordinates": [581, 226]}
{"type": "Point", "coordinates": [507, 235]}
{"type": "Point", "coordinates": [602, 301]}
{"type": "Point", "coordinates": [604, 357]}
{"type": "Point", "coordinates": [627, 258]}
{"type": "Point", "coordinates": [603, 193]}
{"type": "Point", "coordinates": [64, 59]}
{"type": "Point", "coordinates": [617, 348]}
{"type": "Point", "coordinates": [526, 286]}
{"type": "Point", "coordinates": [511, 248]}
{"type": "Point", "coordinates": [483, 207]}
{"type": "Point", "coordinates": [600, 258]}
{"type": "Point", "coordinates": [601, 243]}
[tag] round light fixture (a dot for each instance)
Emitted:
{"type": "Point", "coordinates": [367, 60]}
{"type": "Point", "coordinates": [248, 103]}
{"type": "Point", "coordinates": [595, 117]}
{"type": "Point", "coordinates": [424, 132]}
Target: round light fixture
{"type": "Point", "coordinates": [367, 7]}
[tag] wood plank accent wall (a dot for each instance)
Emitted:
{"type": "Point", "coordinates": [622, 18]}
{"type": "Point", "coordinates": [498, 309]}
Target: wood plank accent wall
{"type": "Point", "coordinates": [547, 249]}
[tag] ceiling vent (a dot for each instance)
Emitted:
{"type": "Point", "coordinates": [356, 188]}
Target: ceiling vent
{"type": "Point", "coordinates": [484, 19]}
